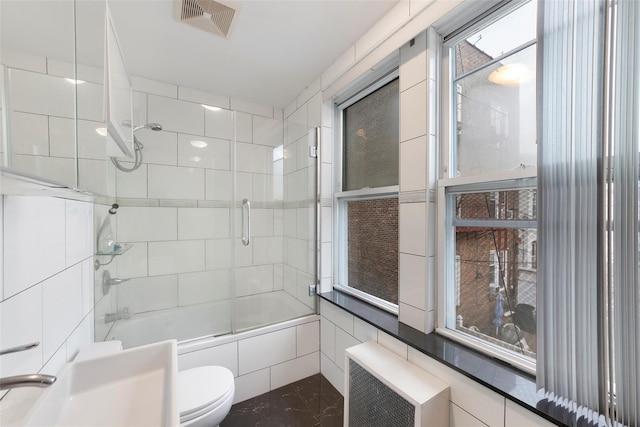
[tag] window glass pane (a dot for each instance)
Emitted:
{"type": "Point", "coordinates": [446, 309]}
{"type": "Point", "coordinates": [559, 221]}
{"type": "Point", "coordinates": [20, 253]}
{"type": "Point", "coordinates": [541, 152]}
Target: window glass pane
{"type": "Point", "coordinates": [373, 247]}
{"type": "Point", "coordinates": [496, 116]}
{"type": "Point", "coordinates": [371, 140]}
{"type": "Point", "coordinates": [502, 36]}
{"type": "Point", "coordinates": [507, 205]}
{"type": "Point", "coordinates": [497, 269]}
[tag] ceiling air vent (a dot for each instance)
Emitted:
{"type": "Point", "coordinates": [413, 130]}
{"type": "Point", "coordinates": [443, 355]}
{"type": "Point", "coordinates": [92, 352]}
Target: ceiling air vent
{"type": "Point", "coordinates": [212, 16]}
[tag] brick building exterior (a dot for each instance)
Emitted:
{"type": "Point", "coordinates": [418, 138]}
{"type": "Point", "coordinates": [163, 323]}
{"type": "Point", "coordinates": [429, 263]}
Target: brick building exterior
{"type": "Point", "coordinates": [373, 249]}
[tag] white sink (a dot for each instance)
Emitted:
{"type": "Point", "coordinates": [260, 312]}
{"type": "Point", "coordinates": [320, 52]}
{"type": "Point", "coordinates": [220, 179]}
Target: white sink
{"type": "Point", "coordinates": [135, 387]}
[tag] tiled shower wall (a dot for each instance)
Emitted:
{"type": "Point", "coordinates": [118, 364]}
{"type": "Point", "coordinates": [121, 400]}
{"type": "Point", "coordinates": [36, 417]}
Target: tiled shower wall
{"type": "Point", "coordinates": [46, 289]}
{"type": "Point", "coordinates": [176, 210]}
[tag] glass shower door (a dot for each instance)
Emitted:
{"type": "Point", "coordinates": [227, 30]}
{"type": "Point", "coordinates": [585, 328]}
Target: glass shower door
{"type": "Point", "coordinates": [175, 281]}
{"type": "Point", "coordinates": [275, 217]}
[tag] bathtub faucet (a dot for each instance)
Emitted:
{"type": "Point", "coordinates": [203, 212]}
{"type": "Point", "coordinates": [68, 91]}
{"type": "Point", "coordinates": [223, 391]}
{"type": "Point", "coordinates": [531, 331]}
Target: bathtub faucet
{"type": "Point", "coordinates": [30, 380]}
{"type": "Point", "coordinates": [120, 315]}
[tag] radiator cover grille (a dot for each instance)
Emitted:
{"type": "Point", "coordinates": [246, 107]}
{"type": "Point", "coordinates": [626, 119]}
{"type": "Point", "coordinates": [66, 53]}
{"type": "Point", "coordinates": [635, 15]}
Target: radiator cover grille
{"type": "Point", "coordinates": [372, 403]}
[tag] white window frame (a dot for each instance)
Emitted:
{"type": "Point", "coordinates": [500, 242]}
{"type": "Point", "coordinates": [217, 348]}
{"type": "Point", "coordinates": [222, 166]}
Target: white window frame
{"type": "Point", "coordinates": [342, 269]}
{"type": "Point", "coordinates": [447, 291]}
{"type": "Point", "coordinates": [446, 295]}
{"type": "Point", "coordinates": [341, 198]}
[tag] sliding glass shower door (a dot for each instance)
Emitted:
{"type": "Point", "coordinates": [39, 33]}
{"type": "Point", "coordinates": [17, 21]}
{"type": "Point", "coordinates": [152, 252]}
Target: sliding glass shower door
{"type": "Point", "coordinates": [275, 222]}
{"type": "Point", "coordinates": [218, 223]}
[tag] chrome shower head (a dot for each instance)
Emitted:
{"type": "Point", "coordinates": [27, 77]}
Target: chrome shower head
{"type": "Point", "coordinates": [152, 126]}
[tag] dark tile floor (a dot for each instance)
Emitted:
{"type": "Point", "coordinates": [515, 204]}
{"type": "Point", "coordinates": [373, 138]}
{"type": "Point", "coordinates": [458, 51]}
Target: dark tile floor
{"type": "Point", "coordinates": [312, 401]}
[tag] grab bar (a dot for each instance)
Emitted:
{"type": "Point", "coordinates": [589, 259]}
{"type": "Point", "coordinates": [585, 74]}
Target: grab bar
{"type": "Point", "coordinates": [246, 207]}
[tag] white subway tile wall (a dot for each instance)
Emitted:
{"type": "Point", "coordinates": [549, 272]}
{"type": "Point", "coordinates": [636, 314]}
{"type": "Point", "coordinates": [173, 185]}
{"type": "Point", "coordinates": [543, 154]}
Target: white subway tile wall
{"type": "Point", "coordinates": [204, 286]}
{"type": "Point", "coordinates": [263, 360]}
{"type": "Point", "coordinates": [148, 293]}
{"type": "Point", "coordinates": [160, 148]}
{"type": "Point", "coordinates": [412, 270]}
{"type": "Point", "coordinates": [294, 370]}
{"type": "Point", "coordinates": [175, 115]}
{"type": "Point", "coordinates": [176, 209]}
{"type": "Point", "coordinates": [413, 158]}
{"type": "Point", "coordinates": [47, 285]}
{"type": "Point", "coordinates": [44, 132]}
{"type": "Point", "coordinates": [170, 182]}
{"type": "Point", "coordinates": [181, 244]}
{"type": "Point", "coordinates": [266, 350]}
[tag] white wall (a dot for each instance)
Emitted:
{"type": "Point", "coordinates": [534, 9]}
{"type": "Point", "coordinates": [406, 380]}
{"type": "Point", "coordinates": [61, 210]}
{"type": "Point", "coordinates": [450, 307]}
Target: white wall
{"type": "Point", "coordinates": [47, 287]}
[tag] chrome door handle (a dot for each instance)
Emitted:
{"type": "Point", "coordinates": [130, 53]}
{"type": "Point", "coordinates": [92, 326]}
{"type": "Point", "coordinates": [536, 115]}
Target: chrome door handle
{"type": "Point", "coordinates": [246, 226]}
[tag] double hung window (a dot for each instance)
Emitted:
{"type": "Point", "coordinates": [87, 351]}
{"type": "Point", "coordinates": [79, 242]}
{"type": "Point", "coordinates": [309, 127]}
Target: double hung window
{"type": "Point", "coordinates": [487, 187]}
{"type": "Point", "coordinates": [367, 205]}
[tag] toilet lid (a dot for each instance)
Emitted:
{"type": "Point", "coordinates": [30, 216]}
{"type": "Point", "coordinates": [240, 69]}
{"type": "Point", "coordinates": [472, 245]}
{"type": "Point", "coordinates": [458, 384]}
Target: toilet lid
{"type": "Point", "coordinates": [201, 387]}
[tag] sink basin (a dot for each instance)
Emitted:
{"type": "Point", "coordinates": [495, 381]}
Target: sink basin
{"type": "Point", "coordinates": [135, 387]}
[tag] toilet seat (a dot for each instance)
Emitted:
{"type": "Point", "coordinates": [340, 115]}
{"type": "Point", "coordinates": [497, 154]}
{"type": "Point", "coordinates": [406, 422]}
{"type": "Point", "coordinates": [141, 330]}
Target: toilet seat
{"type": "Point", "coordinates": [184, 417]}
{"type": "Point", "coordinates": [203, 389]}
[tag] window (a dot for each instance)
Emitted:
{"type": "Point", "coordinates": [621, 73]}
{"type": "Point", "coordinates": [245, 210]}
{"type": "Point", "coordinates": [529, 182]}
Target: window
{"type": "Point", "coordinates": [487, 188]}
{"type": "Point", "coordinates": [367, 206]}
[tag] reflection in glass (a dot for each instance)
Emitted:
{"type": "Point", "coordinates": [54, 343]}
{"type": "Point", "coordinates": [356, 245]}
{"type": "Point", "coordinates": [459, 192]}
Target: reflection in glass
{"type": "Point", "coordinates": [496, 111]}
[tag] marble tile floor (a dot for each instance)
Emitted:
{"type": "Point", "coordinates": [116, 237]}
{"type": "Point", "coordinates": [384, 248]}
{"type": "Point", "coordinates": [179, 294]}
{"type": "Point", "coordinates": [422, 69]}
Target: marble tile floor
{"type": "Point", "coordinates": [312, 401]}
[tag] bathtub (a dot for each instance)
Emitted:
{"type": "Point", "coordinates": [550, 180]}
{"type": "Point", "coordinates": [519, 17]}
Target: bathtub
{"type": "Point", "coordinates": [277, 339]}
{"type": "Point", "coordinates": [206, 320]}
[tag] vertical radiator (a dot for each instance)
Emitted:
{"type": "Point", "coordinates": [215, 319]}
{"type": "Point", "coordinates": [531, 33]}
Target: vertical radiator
{"type": "Point", "coordinates": [383, 389]}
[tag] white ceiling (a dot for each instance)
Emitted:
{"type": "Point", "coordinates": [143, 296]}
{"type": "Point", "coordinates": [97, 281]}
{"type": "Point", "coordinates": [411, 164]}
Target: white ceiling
{"type": "Point", "coordinates": [274, 51]}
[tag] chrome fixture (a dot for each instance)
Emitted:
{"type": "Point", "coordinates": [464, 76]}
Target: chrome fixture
{"type": "Point", "coordinates": [108, 282]}
{"type": "Point", "coordinates": [137, 146]}
{"type": "Point", "coordinates": [120, 315]}
{"type": "Point", "coordinates": [22, 347]}
{"type": "Point", "coordinates": [246, 207]}
{"type": "Point", "coordinates": [29, 380]}
{"type": "Point", "coordinates": [151, 126]}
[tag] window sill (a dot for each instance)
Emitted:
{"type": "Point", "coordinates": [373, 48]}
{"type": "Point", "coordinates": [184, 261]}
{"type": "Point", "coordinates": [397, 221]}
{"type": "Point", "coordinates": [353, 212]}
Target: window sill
{"type": "Point", "coordinates": [496, 375]}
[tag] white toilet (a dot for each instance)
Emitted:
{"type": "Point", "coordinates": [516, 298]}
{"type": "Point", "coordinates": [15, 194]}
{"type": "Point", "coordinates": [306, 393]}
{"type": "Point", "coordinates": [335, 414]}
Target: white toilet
{"type": "Point", "coordinates": [205, 394]}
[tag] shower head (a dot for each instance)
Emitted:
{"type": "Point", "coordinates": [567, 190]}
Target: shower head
{"type": "Point", "coordinates": [152, 126]}
{"type": "Point", "coordinates": [137, 145]}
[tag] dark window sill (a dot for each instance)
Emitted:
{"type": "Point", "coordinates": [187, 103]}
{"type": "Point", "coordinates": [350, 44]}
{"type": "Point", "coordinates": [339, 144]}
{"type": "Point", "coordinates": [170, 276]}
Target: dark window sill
{"type": "Point", "coordinates": [492, 373]}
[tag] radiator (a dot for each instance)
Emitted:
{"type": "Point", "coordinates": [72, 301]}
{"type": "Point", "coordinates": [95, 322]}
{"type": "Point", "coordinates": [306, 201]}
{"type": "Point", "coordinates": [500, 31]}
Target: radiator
{"type": "Point", "coordinates": [383, 389]}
